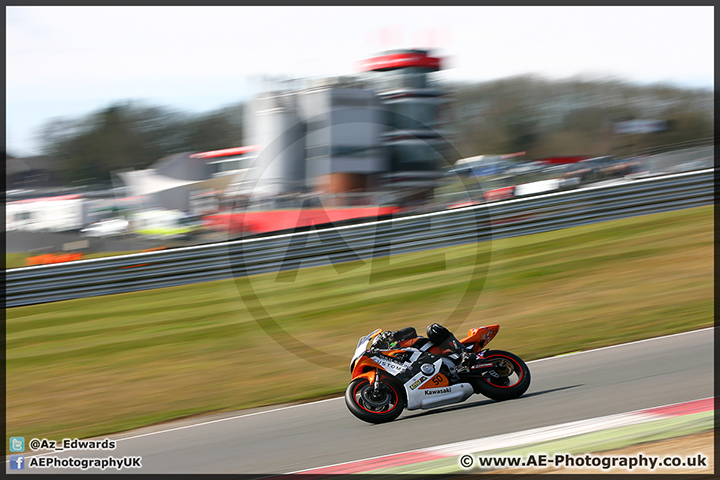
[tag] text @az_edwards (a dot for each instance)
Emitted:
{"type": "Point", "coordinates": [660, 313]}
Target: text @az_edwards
{"type": "Point", "coordinates": [71, 444]}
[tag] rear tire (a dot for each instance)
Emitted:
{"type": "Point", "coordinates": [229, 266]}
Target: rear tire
{"type": "Point", "coordinates": [513, 382]}
{"type": "Point", "coordinates": [362, 401]}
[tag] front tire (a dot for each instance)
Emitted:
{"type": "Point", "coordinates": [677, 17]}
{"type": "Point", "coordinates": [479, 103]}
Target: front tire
{"type": "Point", "coordinates": [374, 407]}
{"type": "Point", "coordinates": [513, 381]}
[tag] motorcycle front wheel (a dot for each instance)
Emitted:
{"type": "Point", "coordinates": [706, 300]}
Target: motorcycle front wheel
{"type": "Point", "coordinates": [372, 405]}
{"type": "Point", "coordinates": [512, 377]}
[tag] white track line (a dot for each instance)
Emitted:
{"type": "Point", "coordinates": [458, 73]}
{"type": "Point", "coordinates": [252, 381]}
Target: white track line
{"type": "Point", "coordinates": [523, 437]}
{"type": "Point", "coordinates": [236, 417]}
{"type": "Point", "coordinates": [208, 422]}
{"type": "Point", "coordinates": [338, 398]}
{"type": "Point", "coordinates": [620, 345]}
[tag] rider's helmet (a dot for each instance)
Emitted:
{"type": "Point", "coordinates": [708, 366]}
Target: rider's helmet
{"type": "Point", "coordinates": [443, 338]}
{"type": "Point", "coordinates": [438, 334]}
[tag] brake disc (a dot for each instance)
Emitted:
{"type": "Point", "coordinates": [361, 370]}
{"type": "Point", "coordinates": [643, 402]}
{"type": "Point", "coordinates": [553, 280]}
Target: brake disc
{"type": "Point", "coordinates": [374, 400]}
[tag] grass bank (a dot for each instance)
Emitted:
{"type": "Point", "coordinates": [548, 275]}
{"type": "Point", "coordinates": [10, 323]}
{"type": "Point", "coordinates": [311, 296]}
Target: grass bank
{"type": "Point", "coordinates": [94, 366]}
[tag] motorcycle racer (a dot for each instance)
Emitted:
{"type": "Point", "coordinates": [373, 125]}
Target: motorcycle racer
{"type": "Point", "coordinates": [439, 336]}
{"type": "Point", "coordinates": [397, 370]}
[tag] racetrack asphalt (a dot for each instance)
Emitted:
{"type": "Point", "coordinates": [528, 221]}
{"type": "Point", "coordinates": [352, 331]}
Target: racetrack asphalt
{"type": "Point", "coordinates": [277, 440]}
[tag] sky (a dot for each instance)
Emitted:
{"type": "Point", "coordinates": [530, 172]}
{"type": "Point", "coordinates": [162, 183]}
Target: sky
{"type": "Point", "coordinates": [70, 61]}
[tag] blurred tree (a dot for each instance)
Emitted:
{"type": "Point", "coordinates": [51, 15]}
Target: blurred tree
{"type": "Point", "coordinates": [573, 116]}
{"type": "Point", "coordinates": [525, 113]}
{"type": "Point", "coordinates": [130, 135]}
{"type": "Point", "coordinates": [216, 130]}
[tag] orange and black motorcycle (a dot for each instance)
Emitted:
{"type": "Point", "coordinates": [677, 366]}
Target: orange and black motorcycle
{"type": "Point", "coordinates": [392, 371]}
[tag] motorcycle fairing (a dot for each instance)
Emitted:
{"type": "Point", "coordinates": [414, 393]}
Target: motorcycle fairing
{"type": "Point", "coordinates": [422, 390]}
{"type": "Point", "coordinates": [479, 337]}
{"type": "Point", "coordinates": [421, 375]}
{"type": "Point", "coordinates": [362, 346]}
{"type": "Point", "coordinates": [433, 390]}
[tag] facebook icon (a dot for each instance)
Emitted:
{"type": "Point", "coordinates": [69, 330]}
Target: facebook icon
{"type": "Point", "coordinates": [17, 462]}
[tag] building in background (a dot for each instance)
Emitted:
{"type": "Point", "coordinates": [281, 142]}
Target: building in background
{"type": "Point", "coordinates": [344, 127]}
{"type": "Point", "coordinates": [376, 131]}
{"type": "Point", "coordinates": [273, 121]}
{"type": "Point", "coordinates": [38, 173]}
{"type": "Point", "coordinates": [413, 140]}
{"type": "Point", "coordinates": [372, 142]}
{"type": "Point", "coordinates": [367, 139]}
{"type": "Point", "coordinates": [170, 190]}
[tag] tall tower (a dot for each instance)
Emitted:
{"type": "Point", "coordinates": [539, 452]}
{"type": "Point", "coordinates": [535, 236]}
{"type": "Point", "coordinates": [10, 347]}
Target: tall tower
{"type": "Point", "coordinates": [413, 106]}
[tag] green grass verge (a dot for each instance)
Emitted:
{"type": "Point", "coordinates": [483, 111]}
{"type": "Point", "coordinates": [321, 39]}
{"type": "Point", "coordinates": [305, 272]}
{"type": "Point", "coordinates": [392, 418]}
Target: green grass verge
{"type": "Point", "coordinates": [95, 366]}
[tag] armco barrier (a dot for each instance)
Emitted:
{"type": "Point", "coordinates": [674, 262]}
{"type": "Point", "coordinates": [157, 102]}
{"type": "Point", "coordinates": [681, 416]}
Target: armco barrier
{"type": "Point", "coordinates": [86, 278]}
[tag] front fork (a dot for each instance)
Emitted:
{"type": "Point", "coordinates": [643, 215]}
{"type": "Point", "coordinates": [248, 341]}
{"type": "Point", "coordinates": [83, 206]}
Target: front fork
{"type": "Point", "coordinates": [373, 377]}
{"type": "Point", "coordinates": [375, 384]}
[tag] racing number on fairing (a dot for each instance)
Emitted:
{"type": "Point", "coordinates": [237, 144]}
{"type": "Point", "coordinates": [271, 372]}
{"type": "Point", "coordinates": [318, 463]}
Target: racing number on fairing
{"type": "Point", "coordinates": [439, 380]}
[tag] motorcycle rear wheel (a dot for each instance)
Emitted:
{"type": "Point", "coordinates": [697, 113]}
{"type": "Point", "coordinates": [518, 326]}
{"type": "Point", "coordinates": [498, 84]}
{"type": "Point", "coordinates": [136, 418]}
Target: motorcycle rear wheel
{"type": "Point", "coordinates": [513, 382]}
{"type": "Point", "coordinates": [374, 407]}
